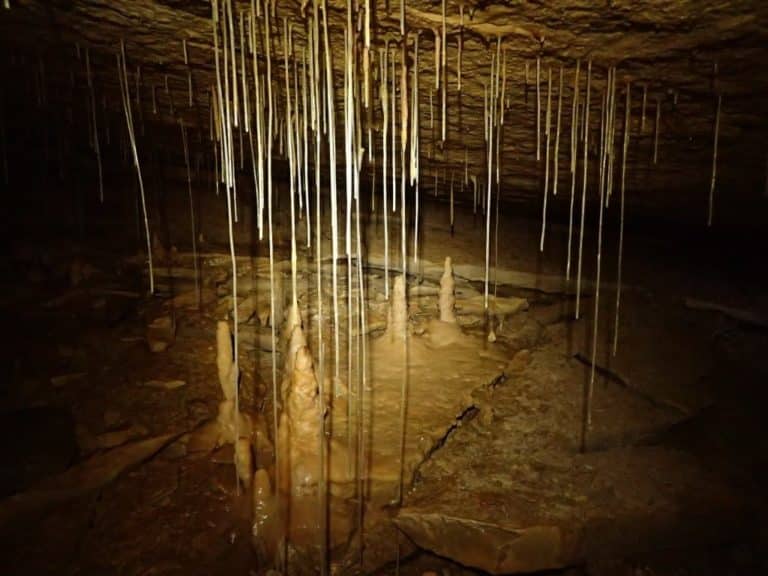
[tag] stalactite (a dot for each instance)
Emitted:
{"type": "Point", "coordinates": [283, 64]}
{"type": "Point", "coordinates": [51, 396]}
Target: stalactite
{"type": "Point", "coordinates": [452, 209]}
{"type": "Point", "coordinates": [547, 132]}
{"type": "Point", "coordinates": [714, 162]}
{"type": "Point", "coordinates": [233, 60]}
{"type": "Point", "coordinates": [349, 154]}
{"type": "Point", "coordinates": [625, 150]}
{"type": "Point", "coordinates": [96, 145]}
{"type": "Point", "coordinates": [443, 63]}
{"type": "Point", "coordinates": [403, 147]}
{"type": "Point", "coordinates": [610, 111]}
{"type": "Point", "coordinates": [185, 145]}
{"type": "Point", "coordinates": [400, 287]}
{"type": "Point", "coordinates": [642, 112]}
{"type": "Point", "coordinates": [489, 113]}
{"type": "Point", "coordinates": [124, 90]}
{"type": "Point", "coordinates": [503, 85]}
{"type": "Point", "coordinates": [556, 165]}
{"type": "Point", "coordinates": [384, 97]}
{"type": "Point", "coordinates": [244, 80]}
{"type": "Point", "coordinates": [334, 204]}
{"type": "Point", "coordinates": [585, 162]}
{"type": "Point", "coordinates": [538, 107]}
{"type": "Point", "coordinates": [460, 47]}
{"type": "Point", "coordinates": [414, 146]}
{"type": "Point", "coordinates": [305, 145]}
{"type": "Point", "coordinates": [273, 320]}
{"type": "Point", "coordinates": [656, 132]}
{"type": "Point", "coordinates": [438, 58]}
{"type": "Point", "coordinates": [393, 99]}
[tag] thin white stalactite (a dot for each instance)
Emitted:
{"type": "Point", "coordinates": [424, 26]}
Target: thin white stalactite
{"type": "Point", "coordinates": [272, 319]}
{"type": "Point", "coordinates": [438, 58]}
{"type": "Point", "coordinates": [556, 162]}
{"type": "Point", "coordinates": [305, 140]}
{"type": "Point", "coordinates": [490, 112]}
{"type": "Point", "coordinates": [185, 144]}
{"type": "Point", "coordinates": [574, 155]}
{"type": "Point", "coordinates": [452, 208]}
{"type": "Point", "coordinates": [404, 262]}
{"type": "Point", "coordinates": [713, 180]}
{"type": "Point", "coordinates": [349, 161]}
{"type": "Point", "coordinates": [333, 192]}
{"type": "Point", "coordinates": [625, 150]}
{"type": "Point", "coordinates": [415, 125]}
{"type": "Point", "coordinates": [244, 80]}
{"type": "Point", "coordinates": [233, 58]}
{"type": "Point", "coordinates": [547, 134]}
{"type": "Point", "coordinates": [393, 100]}
{"type": "Point", "coordinates": [585, 162]}
{"type": "Point", "coordinates": [610, 111]}
{"type": "Point", "coordinates": [538, 108]}
{"type": "Point", "coordinates": [298, 160]}
{"type": "Point", "coordinates": [503, 85]}
{"type": "Point", "coordinates": [384, 97]}
{"type": "Point", "coordinates": [322, 481]}
{"type": "Point", "coordinates": [642, 110]}
{"type": "Point", "coordinates": [656, 132]}
{"type": "Point", "coordinates": [292, 166]}
{"type": "Point", "coordinates": [124, 90]}
{"type": "Point", "coordinates": [96, 145]}
{"type": "Point", "coordinates": [259, 107]}
{"type": "Point", "coordinates": [443, 63]}
{"type": "Point", "coordinates": [460, 47]}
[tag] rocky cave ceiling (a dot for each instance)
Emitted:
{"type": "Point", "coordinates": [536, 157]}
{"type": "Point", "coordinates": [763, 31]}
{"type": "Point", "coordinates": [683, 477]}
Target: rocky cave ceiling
{"type": "Point", "coordinates": [683, 53]}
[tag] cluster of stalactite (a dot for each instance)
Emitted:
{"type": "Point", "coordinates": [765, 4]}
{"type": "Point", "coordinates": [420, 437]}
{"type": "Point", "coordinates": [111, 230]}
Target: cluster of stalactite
{"type": "Point", "coordinates": [276, 96]}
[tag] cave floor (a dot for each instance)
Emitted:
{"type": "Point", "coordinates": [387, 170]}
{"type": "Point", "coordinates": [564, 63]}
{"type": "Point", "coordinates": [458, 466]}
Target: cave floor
{"type": "Point", "coordinates": [674, 454]}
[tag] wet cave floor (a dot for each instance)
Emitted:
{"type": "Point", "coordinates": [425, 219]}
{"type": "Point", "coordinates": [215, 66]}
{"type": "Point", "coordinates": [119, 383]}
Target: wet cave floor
{"type": "Point", "coordinates": [104, 433]}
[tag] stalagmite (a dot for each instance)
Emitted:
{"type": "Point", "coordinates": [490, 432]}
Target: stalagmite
{"type": "Point", "coordinates": [547, 133]}
{"type": "Point", "coordinates": [226, 366]}
{"type": "Point", "coordinates": [244, 458]}
{"type": "Point", "coordinates": [625, 150]}
{"type": "Point", "coordinates": [124, 90]}
{"type": "Point", "coordinates": [447, 299]}
{"type": "Point", "coordinates": [299, 431]}
{"type": "Point", "coordinates": [714, 161]}
{"type": "Point", "coordinates": [585, 162]}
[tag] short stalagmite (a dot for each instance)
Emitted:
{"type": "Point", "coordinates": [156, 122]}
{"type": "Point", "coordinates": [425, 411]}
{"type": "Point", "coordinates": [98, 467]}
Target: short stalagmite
{"type": "Point", "coordinates": [447, 300]}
